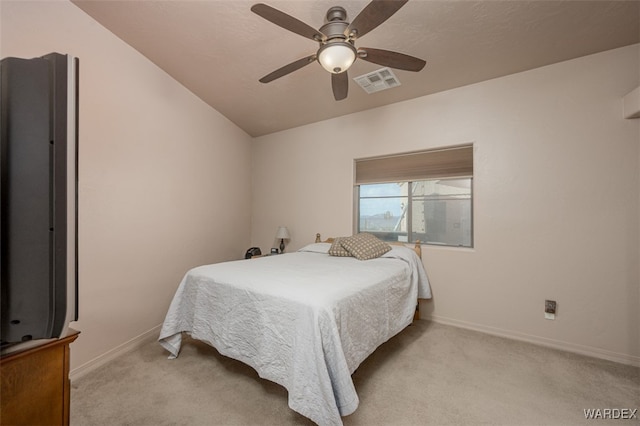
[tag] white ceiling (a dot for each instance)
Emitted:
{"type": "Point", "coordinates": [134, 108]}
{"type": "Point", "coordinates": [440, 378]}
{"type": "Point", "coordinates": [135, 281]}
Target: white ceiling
{"type": "Point", "coordinates": [219, 49]}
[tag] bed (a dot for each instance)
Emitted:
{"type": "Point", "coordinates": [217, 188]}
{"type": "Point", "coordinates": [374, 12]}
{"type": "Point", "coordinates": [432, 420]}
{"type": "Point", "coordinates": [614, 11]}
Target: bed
{"type": "Point", "coordinates": [304, 320]}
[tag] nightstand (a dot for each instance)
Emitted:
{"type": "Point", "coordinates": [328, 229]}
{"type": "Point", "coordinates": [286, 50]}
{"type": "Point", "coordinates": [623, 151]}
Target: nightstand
{"type": "Point", "coordinates": [35, 384]}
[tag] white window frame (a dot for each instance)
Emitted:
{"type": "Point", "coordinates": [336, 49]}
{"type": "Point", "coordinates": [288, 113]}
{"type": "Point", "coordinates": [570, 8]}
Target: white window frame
{"type": "Point", "coordinates": [438, 164]}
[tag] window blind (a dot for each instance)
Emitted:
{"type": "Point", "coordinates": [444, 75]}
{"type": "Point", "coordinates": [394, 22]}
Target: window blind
{"type": "Point", "coordinates": [440, 163]}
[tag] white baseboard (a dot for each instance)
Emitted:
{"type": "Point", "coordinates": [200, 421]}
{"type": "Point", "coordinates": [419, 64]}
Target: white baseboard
{"type": "Point", "coordinates": [136, 342]}
{"type": "Point", "coordinates": [542, 341]}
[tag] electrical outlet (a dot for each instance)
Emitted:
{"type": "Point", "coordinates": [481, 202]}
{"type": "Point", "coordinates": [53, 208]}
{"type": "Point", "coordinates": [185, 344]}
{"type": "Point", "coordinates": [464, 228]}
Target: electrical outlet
{"type": "Point", "coordinates": [550, 306]}
{"type": "Point", "coordinates": [550, 309]}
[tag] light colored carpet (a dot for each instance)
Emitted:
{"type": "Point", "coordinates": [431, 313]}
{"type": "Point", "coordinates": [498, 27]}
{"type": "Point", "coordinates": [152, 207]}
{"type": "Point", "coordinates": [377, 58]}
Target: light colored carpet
{"type": "Point", "coordinates": [428, 374]}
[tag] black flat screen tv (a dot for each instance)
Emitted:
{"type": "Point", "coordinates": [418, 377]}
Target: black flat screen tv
{"type": "Point", "coordinates": [38, 196]}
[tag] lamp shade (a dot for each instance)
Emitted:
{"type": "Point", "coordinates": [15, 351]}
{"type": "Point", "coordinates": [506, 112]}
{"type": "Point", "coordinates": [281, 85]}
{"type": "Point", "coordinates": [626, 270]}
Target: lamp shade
{"type": "Point", "coordinates": [337, 57]}
{"type": "Point", "coordinates": [283, 233]}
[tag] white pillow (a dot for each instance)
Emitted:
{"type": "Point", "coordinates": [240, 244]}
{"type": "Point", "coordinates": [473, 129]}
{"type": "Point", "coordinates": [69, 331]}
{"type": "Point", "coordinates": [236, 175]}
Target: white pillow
{"type": "Point", "coordinates": [316, 248]}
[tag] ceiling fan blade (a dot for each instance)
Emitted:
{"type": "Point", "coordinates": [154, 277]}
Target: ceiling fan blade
{"type": "Point", "coordinates": [287, 22]}
{"type": "Point", "coordinates": [340, 85]}
{"type": "Point", "coordinates": [287, 69]}
{"type": "Point", "coordinates": [374, 14]}
{"type": "Point", "coordinates": [391, 59]}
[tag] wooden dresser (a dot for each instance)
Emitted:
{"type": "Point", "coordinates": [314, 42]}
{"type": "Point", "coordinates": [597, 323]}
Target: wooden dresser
{"type": "Point", "coordinates": [35, 384]}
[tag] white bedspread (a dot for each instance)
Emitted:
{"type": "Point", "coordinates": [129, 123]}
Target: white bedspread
{"type": "Point", "coordinates": [305, 320]}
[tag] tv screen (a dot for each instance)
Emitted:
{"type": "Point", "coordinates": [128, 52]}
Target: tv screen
{"type": "Point", "coordinates": [38, 196]}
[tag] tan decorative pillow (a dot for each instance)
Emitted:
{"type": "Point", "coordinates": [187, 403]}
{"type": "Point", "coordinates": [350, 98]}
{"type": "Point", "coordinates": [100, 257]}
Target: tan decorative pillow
{"type": "Point", "coordinates": [365, 246]}
{"type": "Point", "coordinates": [337, 250]}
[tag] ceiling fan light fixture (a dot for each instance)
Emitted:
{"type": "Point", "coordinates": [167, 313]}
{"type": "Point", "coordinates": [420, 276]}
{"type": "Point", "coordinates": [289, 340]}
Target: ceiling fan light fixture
{"type": "Point", "coordinates": [336, 38]}
{"type": "Point", "coordinates": [337, 56]}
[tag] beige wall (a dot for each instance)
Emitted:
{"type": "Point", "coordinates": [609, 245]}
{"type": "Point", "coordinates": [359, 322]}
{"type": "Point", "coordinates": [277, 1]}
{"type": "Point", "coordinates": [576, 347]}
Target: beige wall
{"type": "Point", "coordinates": [556, 189]}
{"type": "Point", "coordinates": [556, 198]}
{"type": "Point", "coordinates": [163, 184]}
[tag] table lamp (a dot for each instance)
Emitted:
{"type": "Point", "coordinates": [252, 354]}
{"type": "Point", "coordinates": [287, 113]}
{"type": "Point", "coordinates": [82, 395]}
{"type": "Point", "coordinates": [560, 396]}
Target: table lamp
{"type": "Point", "coordinates": [282, 234]}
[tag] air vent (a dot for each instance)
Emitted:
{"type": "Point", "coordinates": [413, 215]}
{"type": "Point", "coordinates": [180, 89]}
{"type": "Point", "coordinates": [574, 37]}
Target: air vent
{"type": "Point", "coordinates": [378, 80]}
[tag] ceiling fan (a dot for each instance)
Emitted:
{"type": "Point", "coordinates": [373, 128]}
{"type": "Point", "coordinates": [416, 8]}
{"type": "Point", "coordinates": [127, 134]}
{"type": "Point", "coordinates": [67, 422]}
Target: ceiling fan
{"type": "Point", "coordinates": [337, 37]}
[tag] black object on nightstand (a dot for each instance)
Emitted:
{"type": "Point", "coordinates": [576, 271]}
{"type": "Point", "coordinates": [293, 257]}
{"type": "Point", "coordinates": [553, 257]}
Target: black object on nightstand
{"type": "Point", "coordinates": [253, 251]}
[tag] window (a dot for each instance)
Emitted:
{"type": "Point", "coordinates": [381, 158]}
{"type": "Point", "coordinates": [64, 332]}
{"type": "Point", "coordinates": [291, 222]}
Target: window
{"type": "Point", "coordinates": [424, 196]}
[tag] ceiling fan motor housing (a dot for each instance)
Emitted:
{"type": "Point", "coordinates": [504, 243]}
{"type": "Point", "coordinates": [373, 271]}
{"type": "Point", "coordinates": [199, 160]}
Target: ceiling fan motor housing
{"type": "Point", "coordinates": [343, 51]}
{"type": "Point", "coordinates": [334, 29]}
